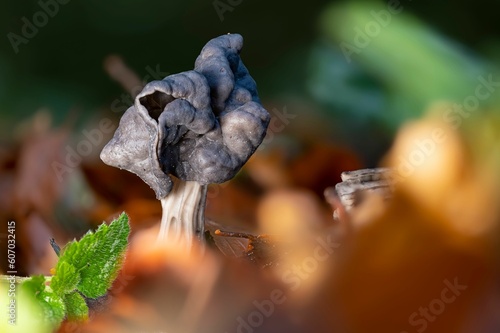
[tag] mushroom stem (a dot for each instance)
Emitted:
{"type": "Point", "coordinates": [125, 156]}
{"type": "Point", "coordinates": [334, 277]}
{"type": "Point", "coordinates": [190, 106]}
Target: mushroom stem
{"type": "Point", "coordinates": [183, 217]}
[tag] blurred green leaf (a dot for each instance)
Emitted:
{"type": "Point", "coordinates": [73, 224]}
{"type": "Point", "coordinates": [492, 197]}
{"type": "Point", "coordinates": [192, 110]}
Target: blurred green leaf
{"type": "Point", "coordinates": [29, 314]}
{"type": "Point", "coordinates": [415, 65]}
{"type": "Point", "coordinates": [51, 304]}
{"type": "Point", "coordinates": [35, 284]}
{"type": "Point", "coordinates": [345, 89]}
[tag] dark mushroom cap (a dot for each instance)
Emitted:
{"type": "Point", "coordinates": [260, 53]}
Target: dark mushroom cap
{"type": "Point", "coordinates": [200, 125]}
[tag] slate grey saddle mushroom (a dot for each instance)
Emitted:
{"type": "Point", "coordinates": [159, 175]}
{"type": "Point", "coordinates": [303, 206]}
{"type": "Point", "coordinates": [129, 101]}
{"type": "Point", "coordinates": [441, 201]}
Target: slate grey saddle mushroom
{"type": "Point", "coordinates": [189, 130]}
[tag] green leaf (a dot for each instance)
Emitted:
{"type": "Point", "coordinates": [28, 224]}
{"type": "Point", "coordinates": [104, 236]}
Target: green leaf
{"type": "Point", "coordinates": [35, 284]}
{"type": "Point", "coordinates": [65, 279]}
{"type": "Point", "coordinates": [88, 266]}
{"type": "Point", "coordinates": [98, 256]}
{"type": "Point", "coordinates": [30, 316]}
{"type": "Point", "coordinates": [51, 304]}
{"type": "Point", "coordinates": [76, 307]}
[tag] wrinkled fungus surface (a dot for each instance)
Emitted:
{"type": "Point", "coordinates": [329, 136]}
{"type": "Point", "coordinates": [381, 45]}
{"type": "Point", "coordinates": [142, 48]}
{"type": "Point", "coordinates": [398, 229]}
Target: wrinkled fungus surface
{"type": "Point", "coordinates": [200, 125]}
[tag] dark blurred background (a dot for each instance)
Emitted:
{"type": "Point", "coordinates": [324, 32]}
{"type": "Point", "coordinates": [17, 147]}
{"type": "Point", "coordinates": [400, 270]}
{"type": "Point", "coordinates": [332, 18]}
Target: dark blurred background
{"type": "Point", "coordinates": [291, 49]}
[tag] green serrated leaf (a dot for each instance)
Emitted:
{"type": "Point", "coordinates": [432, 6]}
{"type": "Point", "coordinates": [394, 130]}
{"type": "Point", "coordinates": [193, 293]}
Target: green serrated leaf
{"type": "Point", "coordinates": [109, 252]}
{"type": "Point", "coordinates": [76, 307]}
{"type": "Point", "coordinates": [65, 279]}
{"type": "Point", "coordinates": [89, 265]}
{"type": "Point", "coordinates": [98, 256]}
{"type": "Point", "coordinates": [79, 253]}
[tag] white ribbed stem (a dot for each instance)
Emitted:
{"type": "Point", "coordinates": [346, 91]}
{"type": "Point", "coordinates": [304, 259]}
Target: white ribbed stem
{"type": "Point", "coordinates": [183, 217]}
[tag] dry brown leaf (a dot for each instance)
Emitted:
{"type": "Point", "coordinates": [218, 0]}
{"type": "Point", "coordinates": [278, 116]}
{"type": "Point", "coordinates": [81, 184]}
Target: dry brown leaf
{"type": "Point", "coordinates": [229, 246]}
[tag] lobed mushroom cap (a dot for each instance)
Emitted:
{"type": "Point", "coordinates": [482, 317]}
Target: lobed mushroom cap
{"type": "Point", "coordinates": [200, 125]}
